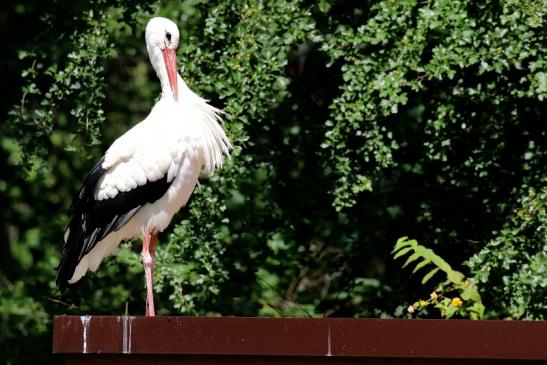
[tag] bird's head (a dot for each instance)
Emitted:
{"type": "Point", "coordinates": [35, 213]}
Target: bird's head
{"type": "Point", "coordinates": [162, 40]}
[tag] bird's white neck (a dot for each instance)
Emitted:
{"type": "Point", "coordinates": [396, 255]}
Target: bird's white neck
{"type": "Point", "coordinates": [166, 92]}
{"type": "Point", "coordinates": [158, 63]}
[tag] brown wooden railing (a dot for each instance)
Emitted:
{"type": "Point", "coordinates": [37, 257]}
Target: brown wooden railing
{"type": "Point", "coordinates": [234, 340]}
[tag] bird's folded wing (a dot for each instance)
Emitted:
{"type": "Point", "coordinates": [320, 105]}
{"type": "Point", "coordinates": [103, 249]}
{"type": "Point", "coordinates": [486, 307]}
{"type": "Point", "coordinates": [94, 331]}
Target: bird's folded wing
{"type": "Point", "coordinates": [111, 196]}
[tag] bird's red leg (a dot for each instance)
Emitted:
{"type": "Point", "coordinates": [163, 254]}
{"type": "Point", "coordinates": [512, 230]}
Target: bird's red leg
{"type": "Point", "coordinates": [153, 244]}
{"type": "Point", "coordinates": [147, 262]}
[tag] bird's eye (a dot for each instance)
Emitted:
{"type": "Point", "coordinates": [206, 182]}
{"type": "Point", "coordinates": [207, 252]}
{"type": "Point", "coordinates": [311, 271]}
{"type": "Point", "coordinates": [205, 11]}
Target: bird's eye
{"type": "Point", "coordinates": [168, 36]}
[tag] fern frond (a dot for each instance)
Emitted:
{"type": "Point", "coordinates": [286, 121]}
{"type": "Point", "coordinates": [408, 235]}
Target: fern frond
{"type": "Point", "coordinates": [424, 257]}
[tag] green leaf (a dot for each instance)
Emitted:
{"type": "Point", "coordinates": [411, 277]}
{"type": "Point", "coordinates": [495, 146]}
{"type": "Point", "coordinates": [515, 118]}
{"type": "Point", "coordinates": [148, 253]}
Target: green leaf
{"type": "Point", "coordinates": [402, 242]}
{"type": "Point", "coordinates": [455, 276]}
{"type": "Point", "coordinates": [429, 275]}
{"type": "Point", "coordinates": [412, 258]}
{"type": "Point", "coordinates": [420, 265]}
{"type": "Point", "coordinates": [471, 293]}
{"type": "Point", "coordinates": [449, 311]}
{"type": "Point", "coordinates": [401, 252]}
{"type": "Point", "coordinates": [476, 311]}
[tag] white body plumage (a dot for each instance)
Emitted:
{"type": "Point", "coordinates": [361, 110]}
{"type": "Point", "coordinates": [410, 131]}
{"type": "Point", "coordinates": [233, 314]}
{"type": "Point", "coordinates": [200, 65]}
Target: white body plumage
{"type": "Point", "coordinates": [162, 157]}
{"type": "Point", "coordinates": [176, 139]}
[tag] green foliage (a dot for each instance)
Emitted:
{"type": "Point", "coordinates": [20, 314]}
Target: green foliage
{"type": "Point", "coordinates": [354, 123]}
{"type": "Point", "coordinates": [465, 49]}
{"type": "Point", "coordinates": [22, 318]}
{"type": "Point", "coordinates": [78, 87]}
{"type": "Point", "coordinates": [513, 264]}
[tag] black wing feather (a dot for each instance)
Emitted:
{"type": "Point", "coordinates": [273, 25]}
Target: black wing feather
{"type": "Point", "coordinates": [92, 220]}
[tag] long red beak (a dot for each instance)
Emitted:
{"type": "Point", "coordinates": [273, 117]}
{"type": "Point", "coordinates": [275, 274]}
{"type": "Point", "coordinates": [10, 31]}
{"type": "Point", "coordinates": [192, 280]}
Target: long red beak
{"type": "Point", "coordinates": [170, 59]}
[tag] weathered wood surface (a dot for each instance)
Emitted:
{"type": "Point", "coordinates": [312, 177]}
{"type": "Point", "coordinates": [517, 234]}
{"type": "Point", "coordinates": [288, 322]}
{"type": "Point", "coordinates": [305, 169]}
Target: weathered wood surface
{"type": "Point", "coordinates": [268, 340]}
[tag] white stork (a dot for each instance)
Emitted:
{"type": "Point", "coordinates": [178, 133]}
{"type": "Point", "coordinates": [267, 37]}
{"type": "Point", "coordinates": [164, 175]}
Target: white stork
{"type": "Point", "coordinates": [148, 174]}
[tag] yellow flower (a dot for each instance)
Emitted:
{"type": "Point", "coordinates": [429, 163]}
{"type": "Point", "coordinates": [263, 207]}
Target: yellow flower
{"type": "Point", "coordinates": [457, 302]}
{"type": "Point", "coordinates": [433, 296]}
{"type": "Point", "coordinates": [422, 303]}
